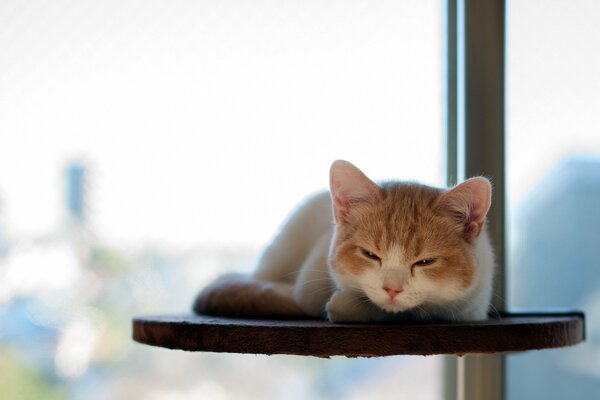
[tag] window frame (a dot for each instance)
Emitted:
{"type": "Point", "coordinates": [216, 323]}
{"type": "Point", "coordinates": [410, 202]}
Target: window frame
{"type": "Point", "coordinates": [475, 137]}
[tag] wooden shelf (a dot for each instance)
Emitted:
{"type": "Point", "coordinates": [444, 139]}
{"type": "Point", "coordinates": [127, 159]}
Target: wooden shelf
{"type": "Point", "coordinates": [507, 332]}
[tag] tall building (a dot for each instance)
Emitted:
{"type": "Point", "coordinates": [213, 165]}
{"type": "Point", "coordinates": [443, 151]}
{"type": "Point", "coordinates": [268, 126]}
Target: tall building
{"type": "Point", "coordinates": [555, 266]}
{"type": "Point", "coordinates": [75, 190]}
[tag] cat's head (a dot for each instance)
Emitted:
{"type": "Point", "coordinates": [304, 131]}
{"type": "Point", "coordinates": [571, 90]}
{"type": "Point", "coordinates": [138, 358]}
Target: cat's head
{"type": "Point", "coordinates": [404, 245]}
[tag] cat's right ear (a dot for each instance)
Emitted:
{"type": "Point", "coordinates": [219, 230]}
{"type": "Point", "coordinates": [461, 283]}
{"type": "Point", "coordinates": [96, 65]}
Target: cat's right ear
{"type": "Point", "coordinates": [468, 203]}
{"type": "Point", "coordinates": [349, 186]}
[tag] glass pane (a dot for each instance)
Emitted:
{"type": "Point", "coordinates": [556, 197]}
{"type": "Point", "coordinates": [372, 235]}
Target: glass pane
{"type": "Point", "coordinates": [554, 183]}
{"type": "Point", "coordinates": [149, 146]}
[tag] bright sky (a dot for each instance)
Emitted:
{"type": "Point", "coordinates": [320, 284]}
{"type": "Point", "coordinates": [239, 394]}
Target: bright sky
{"type": "Point", "coordinates": [207, 121]}
{"type": "Point", "coordinates": [553, 87]}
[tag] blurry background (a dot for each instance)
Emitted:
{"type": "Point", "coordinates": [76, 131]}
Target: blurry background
{"type": "Point", "coordinates": [148, 146]}
{"type": "Point", "coordinates": [553, 162]}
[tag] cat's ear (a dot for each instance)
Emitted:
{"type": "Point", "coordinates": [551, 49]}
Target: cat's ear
{"type": "Point", "coordinates": [468, 203]}
{"type": "Point", "coordinates": [349, 186]}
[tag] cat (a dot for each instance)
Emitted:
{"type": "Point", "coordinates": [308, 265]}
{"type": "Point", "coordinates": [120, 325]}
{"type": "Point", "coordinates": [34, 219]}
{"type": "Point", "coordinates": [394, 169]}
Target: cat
{"type": "Point", "coordinates": [364, 252]}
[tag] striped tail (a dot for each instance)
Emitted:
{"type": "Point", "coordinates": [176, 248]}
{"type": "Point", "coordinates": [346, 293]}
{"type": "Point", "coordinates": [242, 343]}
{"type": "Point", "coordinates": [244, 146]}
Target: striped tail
{"type": "Point", "coordinates": [236, 295]}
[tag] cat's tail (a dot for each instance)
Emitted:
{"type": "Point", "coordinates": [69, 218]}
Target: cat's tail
{"type": "Point", "coordinates": [236, 295]}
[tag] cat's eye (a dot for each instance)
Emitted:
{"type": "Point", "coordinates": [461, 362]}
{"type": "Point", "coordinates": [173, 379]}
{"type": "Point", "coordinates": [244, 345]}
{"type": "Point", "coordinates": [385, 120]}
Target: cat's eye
{"type": "Point", "coordinates": [424, 262]}
{"type": "Point", "coordinates": [370, 255]}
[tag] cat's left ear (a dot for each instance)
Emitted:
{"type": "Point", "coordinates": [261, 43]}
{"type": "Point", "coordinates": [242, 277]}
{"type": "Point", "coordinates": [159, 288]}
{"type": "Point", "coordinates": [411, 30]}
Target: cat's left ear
{"type": "Point", "coordinates": [468, 203]}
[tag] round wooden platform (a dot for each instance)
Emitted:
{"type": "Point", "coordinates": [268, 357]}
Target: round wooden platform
{"type": "Point", "coordinates": [508, 332]}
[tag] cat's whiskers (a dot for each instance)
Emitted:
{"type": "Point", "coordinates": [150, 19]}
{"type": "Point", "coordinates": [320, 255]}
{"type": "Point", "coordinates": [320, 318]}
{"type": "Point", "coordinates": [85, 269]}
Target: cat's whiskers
{"type": "Point", "coordinates": [424, 311]}
{"type": "Point", "coordinates": [450, 308]}
{"type": "Point", "coordinates": [361, 301]}
{"type": "Point", "coordinates": [295, 274]}
{"type": "Point", "coordinates": [319, 291]}
{"type": "Point", "coordinates": [316, 280]}
{"type": "Point", "coordinates": [495, 312]}
{"type": "Point", "coordinates": [365, 300]}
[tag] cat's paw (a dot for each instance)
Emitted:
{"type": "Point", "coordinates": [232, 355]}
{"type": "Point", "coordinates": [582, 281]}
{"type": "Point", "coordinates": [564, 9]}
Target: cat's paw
{"type": "Point", "coordinates": [345, 306]}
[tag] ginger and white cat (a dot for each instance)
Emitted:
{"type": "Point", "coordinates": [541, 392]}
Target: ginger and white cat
{"type": "Point", "coordinates": [370, 253]}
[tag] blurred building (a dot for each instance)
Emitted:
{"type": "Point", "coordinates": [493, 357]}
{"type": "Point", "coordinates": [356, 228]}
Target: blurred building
{"type": "Point", "coordinates": [75, 189]}
{"type": "Point", "coordinates": [556, 265]}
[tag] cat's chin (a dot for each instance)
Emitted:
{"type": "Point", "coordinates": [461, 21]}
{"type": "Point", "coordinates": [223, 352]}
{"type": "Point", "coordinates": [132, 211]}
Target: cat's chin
{"type": "Point", "coordinates": [393, 308]}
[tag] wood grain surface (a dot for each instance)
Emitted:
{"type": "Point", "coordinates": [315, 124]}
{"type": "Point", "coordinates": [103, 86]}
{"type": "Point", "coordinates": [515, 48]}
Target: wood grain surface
{"type": "Point", "coordinates": [508, 332]}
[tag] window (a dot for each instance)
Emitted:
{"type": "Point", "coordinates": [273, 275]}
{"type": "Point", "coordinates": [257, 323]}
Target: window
{"type": "Point", "coordinates": [553, 144]}
{"type": "Point", "coordinates": [190, 130]}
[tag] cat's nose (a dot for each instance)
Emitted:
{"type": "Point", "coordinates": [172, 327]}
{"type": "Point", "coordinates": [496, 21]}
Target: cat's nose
{"type": "Point", "coordinates": [392, 292]}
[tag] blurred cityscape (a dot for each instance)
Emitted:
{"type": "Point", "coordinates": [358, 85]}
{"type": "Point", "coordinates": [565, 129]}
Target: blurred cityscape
{"type": "Point", "coordinates": [67, 298]}
{"type": "Point", "coordinates": [66, 303]}
{"type": "Point", "coordinates": [196, 127]}
{"type": "Point", "coordinates": [554, 266]}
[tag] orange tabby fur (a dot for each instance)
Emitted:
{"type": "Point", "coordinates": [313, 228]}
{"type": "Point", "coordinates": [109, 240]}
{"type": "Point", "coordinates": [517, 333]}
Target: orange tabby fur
{"type": "Point", "coordinates": [367, 252]}
{"type": "Point", "coordinates": [406, 215]}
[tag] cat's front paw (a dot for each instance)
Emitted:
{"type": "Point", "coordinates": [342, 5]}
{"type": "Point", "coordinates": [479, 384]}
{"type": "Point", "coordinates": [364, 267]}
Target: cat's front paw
{"type": "Point", "coordinates": [346, 306]}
